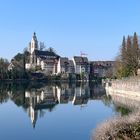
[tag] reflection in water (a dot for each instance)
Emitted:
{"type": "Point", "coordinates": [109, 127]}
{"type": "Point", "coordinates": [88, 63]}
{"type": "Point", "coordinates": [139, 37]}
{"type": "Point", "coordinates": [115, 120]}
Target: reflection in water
{"type": "Point", "coordinates": [122, 104]}
{"type": "Point", "coordinates": [123, 110]}
{"type": "Point", "coordinates": [37, 98]}
{"type": "Point", "coordinates": [118, 107]}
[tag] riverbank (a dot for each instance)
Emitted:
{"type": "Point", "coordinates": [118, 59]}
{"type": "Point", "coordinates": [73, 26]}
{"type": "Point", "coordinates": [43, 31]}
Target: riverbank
{"type": "Point", "coordinates": [129, 87]}
{"type": "Point", "coordinates": [121, 128]}
{"type": "Point", "coordinates": [125, 92]}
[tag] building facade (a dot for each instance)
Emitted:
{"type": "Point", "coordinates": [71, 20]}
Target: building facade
{"type": "Point", "coordinates": [101, 68]}
{"type": "Point", "coordinates": [41, 60]}
{"type": "Point", "coordinates": [65, 66]}
{"type": "Point", "coordinates": [81, 66]}
{"type": "Point", "coordinates": [50, 63]}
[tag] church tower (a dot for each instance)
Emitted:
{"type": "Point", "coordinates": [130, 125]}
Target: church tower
{"type": "Point", "coordinates": [33, 45]}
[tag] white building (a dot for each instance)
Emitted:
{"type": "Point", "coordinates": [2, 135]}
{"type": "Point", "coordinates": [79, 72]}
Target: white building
{"type": "Point", "coordinates": [51, 63]}
{"type": "Point", "coordinates": [43, 60]}
{"type": "Point", "coordinates": [11, 66]}
{"type": "Point", "coordinates": [81, 95]}
{"type": "Point", "coordinates": [81, 66]}
{"type": "Point", "coordinates": [65, 66]}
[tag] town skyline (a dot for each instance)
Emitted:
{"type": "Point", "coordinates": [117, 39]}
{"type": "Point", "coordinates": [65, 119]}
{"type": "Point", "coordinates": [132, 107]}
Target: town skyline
{"type": "Point", "coordinates": [70, 27]}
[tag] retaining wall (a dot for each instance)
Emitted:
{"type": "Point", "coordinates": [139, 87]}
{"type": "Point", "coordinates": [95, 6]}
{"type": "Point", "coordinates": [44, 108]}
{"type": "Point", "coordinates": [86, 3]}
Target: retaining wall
{"type": "Point", "coordinates": [129, 88]}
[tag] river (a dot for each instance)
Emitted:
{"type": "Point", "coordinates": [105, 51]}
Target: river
{"type": "Point", "coordinates": [39, 111]}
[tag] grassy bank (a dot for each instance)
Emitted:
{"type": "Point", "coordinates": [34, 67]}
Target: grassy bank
{"type": "Point", "coordinates": [121, 128]}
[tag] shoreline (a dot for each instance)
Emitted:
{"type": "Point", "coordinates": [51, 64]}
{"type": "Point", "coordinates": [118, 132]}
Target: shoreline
{"type": "Point", "coordinates": [129, 88]}
{"type": "Point", "coordinates": [49, 80]}
{"type": "Point", "coordinates": [122, 127]}
{"type": "Point", "coordinates": [134, 95]}
{"type": "Point", "coordinates": [119, 128]}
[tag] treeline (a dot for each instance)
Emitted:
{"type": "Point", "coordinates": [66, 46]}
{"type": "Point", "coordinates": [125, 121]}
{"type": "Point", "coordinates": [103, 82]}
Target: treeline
{"type": "Point", "coordinates": [3, 68]}
{"type": "Point", "coordinates": [16, 70]}
{"type": "Point", "coordinates": [127, 62]}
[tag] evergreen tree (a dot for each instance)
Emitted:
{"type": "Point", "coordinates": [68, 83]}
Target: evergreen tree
{"type": "Point", "coordinates": [135, 55]}
{"type": "Point", "coordinates": [123, 51]}
{"type": "Point", "coordinates": [129, 51]}
{"type": "Point", "coordinates": [127, 63]}
{"type": "Point", "coordinates": [128, 58]}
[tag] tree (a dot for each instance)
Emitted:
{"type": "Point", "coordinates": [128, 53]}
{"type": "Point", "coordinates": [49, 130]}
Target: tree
{"type": "Point", "coordinates": [42, 46]}
{"type": "Point", "coordinates": [19, 61]}
{"type": "Point", "coordinates": [126, 47]}
{"type": "Point", "coordinates": [118, 68]}
{"type": "Point", "coordinates": [26, 57]}
{"type": "Point", "coordinates": [135, 54]}
{"type": "Point", "coordinates": [127, 62]}
{"type": "Point", "coordinates": [18, 57]}
{"type": "Point", "coordinates": [50, 49]}
{"type": "Point", "coordinates": [123, 51]}
{"type": "Point", "coordinates": [128, 51]}
{"type": "Point", "coordinates": [3, 68]}
{"type": "Point", "coordinates": [121, 60]}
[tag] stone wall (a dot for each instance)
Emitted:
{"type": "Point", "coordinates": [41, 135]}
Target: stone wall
{"type": "Point", "coordinates": [129, 87]}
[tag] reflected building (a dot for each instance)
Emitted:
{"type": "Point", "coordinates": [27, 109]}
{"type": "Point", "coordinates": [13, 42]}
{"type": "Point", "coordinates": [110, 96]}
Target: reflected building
{"type": "Point", "coordinates": [49, 96]}
{"type": "Point", "coordinates": [81, 95]}
{"type": "Point", "coordinates": [63, 93]}
{"type": "Point", "coordinates": [36, 100]}
{"type": "Point", "coordinates": [96, 91]}
{"type": "Point", "coordinates": [44, 98]}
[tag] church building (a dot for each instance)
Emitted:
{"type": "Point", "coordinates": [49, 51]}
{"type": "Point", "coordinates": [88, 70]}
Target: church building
{"type": "Point", "coordinates": [42, 60]}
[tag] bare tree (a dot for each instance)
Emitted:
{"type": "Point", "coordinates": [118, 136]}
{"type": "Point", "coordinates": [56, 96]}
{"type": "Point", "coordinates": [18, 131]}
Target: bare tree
{"type": "Point", "coordinates": [42, 46]}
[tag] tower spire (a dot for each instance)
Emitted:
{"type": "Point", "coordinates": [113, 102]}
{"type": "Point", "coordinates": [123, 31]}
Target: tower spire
{"type": "Point", "coordinates": [34, 43]}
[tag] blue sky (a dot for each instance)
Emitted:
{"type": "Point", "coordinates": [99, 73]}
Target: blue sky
{"type": "Point", "coordinates": [95, 27]}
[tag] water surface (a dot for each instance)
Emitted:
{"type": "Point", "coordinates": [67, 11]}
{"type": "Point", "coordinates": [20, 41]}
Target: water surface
{"type": "Point", "coordinates": [41, 111]}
